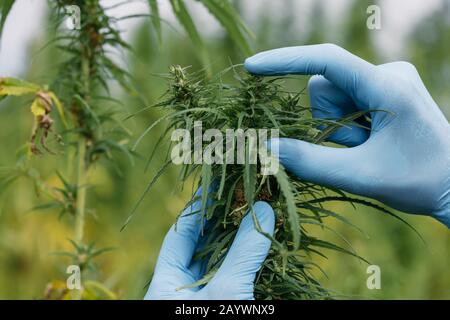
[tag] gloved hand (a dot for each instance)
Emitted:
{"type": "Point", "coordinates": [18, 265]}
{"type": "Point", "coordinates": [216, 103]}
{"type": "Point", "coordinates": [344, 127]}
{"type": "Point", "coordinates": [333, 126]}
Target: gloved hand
{"type": "Point", "coordinates": [403, 160]}
{"type": "Point", "coordinates": [234, 280]}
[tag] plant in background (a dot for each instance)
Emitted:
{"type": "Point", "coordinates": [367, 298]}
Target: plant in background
{"type": "Point", "coordinates": [254, 103]}
{"type": "Point", "coordinates": [86, 114]}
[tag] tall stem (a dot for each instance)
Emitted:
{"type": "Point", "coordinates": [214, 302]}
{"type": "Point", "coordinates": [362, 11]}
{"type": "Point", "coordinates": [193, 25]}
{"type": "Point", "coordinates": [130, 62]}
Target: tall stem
{"type": "Point", "coordinates": [82, 165]}
{"type": "Point", "coordinates": [81, 195]}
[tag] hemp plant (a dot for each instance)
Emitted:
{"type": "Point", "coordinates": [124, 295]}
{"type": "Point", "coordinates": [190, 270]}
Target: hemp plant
{"type": "Point", "coordinates": [88, 125]}
{"type": "Point", "coordinates": [229, 189]}
{"type": "Point", "coordinates": [79, 113]}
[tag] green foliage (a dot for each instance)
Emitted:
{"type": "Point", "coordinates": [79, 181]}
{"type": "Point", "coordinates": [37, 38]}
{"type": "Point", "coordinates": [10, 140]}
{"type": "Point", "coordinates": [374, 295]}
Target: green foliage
{"type": "Point", "coordinates": [231, 21]}
{"type": "Point", "coordinates": [80, 91]}
{"type": "Point", "coordinates": [223, 11]}
{"type": "Point", "coordinates": [256, 103]}
{"type": "Point", "coordinates": [429, 47]}
{"type": "Point", "coordinates": [181, 12]}
{"type": "Point", "coordinates": [358, 38]}
{"type": "Point", "coordinates": [156, 19]}
{"type": "Point", "coordinates": [5, 7]}
{"type": "Point", "coordinates": [26, 240]}
{"type": "Point", "coordinates": [88, 116]}
{"type": "Point", "coordinates": [84, 254]}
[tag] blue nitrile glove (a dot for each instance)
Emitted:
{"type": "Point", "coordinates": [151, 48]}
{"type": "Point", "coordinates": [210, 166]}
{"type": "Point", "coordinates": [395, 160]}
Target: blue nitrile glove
{"type": "Point", "coordinates": [234, 280]}
{"type": "Point", "coordinates": [403, 161]}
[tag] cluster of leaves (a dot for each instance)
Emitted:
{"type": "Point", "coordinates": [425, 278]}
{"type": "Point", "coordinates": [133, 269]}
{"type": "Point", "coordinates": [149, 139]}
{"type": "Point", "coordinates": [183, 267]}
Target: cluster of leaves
{"type": "Point", "coordinates": [41, 108]}
{"type": "Point", "coordinates": [81, 95]}
{"type": "Point", "coordinates": [255, 103]}
{"type": "Point", "coordinates": [83, 255]}
{"type": "Point", "coordinates": [85, 75]}
{"type": "Point", "coordinates": [86, 112]}
{"type": "Point", "coordinates": [225, 14]}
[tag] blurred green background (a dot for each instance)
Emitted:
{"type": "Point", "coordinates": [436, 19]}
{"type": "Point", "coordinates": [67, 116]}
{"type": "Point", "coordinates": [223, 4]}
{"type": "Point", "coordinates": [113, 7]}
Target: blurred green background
{"type": "Point", "coordinates": [410, 269]}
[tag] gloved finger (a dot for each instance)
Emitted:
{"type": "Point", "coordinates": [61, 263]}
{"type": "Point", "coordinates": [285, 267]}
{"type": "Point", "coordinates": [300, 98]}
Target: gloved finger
{"type": "Point", "coordinates": [348, 72]}
{"type": "Point", "coordinates": [330, 102]}
{"type": "Point", "coordinates": [409, 71]}
{"type": "Point", "coordinates": [248, 252]}
{"type": "Point", "coordinates": [198, 266]}
{"type": "Point", "coordinates": [340, 168]}
{"type": "Point", "coordinates": [181, 241]}
{"type": "Point", "coordinates": [403, 68]}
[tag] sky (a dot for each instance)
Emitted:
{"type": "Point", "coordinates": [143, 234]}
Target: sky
{"type": "Point", "coordinates": [26, 22]}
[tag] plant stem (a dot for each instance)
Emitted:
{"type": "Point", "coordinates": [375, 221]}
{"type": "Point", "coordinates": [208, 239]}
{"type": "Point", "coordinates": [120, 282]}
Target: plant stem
{"type": "Point", "coordinates": [81, 195]}
{"type": "Point", "coordinates": [82, 165]}
{"type": "Point", "coordinates": [81, 200]}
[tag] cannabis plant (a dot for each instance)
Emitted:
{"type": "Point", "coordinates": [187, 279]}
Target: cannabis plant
{"type": "Point", "coordinates": [78, 112]}
{"type": "Point", "coordinates": [229, 189]}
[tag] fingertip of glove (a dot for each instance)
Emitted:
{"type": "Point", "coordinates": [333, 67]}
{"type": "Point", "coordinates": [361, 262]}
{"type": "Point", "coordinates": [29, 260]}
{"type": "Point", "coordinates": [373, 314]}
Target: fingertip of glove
{"type": "Point", "coordinates": [258, 64]}
{"type": "Point", "coordinates": [265, 215]}
{"type": "Point", "coordinates": [250, 65]}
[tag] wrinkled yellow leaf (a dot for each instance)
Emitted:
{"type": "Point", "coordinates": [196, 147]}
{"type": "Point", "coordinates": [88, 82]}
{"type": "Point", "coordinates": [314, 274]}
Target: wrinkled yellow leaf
{"type": "Point", "coordinates": [16, 87]}
{"type": "Point", "coordinates": [42, 104]}
{"type": "Point", "coordinates": [37, 107]}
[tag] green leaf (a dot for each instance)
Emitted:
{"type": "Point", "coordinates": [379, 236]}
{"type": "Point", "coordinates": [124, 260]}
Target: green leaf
{"type": "Point", "coordinates": [286, 189]}
{"type": "Point", "coordinates": [4, 11]}
{"type": "Point", "coordinates": [168, 116]}
{"type": "Point", "coordinates": [249, 177]}
{"type": "Point", "coordinates": [147, 189]}
{"type": "Point", "coordinates": [121, 148]}
{"type": "Point", "coordinates": [220, 249]}
{"type": "Point", "coordinates": [101, 251]}
{"type": "Point", "coordinates": [206, 182]}
{"type": "Point", "coordinates": [231, 21]}
{"type": "Point", "coordinates": [371, 205]}
{"type": "Point", "coordinates": [46, 206]}
{"type": "Point", "coordinates": [183, 16]}
{"type": "Point", "coordinates": [332, 246]}
{"type": "Point", "coordinates": [64, 254]}
{"type": "Point", "coordinates": [222, 180]}
{"type": "Point", "coordinates": [200, 282]}
{"type": "Point", "coordinates": [156, 19]}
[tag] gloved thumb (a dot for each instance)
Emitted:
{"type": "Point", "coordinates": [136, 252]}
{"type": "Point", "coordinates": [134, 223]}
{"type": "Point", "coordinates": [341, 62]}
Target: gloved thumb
{"type": "Point", "coordinates": [237, 273]}
{"type": "Point", "coordinates": [327, 166]}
